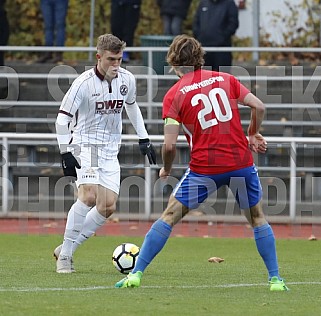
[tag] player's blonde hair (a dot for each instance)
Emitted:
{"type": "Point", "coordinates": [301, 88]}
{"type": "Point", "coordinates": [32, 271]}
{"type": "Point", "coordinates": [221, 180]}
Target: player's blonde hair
{"type": "Point", "coordinates": [111, 43]}
{"type": "Point", "coordinates": [185, 53]}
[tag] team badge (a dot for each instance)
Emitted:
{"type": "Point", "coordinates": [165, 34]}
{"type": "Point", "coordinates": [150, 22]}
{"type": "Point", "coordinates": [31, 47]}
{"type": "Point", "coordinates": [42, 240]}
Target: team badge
{"type": "Point", "coordinates": [123, 89]}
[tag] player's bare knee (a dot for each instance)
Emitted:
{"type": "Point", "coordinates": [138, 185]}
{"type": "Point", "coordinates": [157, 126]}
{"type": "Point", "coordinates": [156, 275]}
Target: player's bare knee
{"type": "Point", "coordinates": [106, 211]}
{"type": "Point", "coordinates": [172, 217]}
{"type": "Point", "coordinates": [260, 221]}
{"type": "Point", "coordinates": [168, 217]}
{"type": "Point", "coordinates": [87, 198]}
{"type": "Point", "coordinates": [257, 217]}
{"type": "Point", "coordinates": [87, 194]}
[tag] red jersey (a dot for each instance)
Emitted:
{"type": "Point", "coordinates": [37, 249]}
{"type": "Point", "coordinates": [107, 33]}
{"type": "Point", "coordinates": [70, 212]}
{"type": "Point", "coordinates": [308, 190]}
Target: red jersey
{"type": "Point", "coordinates": [206, 104]}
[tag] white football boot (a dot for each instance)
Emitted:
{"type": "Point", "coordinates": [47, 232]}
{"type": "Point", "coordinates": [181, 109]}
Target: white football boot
{"type": "Point", "coordinates": [64, 264]}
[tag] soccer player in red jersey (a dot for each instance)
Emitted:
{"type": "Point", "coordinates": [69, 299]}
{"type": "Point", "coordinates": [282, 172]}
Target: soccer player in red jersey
{"type": "Point", "coordinates": [205, 104]}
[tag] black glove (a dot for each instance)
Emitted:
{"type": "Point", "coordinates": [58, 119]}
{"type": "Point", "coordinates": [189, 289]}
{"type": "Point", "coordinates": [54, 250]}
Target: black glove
{"type": "Point", "coordinates": [69, 164]}
{"type": "Point", "coordinates": [147, 148]}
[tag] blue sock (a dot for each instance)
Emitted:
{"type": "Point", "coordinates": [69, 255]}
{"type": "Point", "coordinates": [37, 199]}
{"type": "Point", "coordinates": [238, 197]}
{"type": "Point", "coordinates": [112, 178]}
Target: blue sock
{"type": "Point", "coordinates": [265, 243]}
{"type": "Point", "coordinates": [153, 243]}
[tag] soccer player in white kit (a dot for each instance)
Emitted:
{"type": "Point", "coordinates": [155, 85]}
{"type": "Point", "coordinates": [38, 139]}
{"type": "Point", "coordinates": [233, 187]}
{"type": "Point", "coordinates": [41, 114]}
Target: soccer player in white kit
{"type": "Point", "coordinates": [93, 108]}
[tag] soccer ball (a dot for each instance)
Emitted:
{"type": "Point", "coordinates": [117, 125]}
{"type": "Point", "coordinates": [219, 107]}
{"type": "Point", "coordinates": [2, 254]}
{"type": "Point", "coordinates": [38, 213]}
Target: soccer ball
{"type": "Point", "coordinates": [124, 257]}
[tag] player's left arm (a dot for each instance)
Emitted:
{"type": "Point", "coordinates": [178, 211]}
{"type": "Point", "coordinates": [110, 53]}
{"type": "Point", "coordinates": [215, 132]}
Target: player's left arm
{"type": "Point", "coordinates": [256, 141]}
{"type": "Point", "coordinates": [136, 118]}
{"type": "Point", "coordinates": [171, 132]}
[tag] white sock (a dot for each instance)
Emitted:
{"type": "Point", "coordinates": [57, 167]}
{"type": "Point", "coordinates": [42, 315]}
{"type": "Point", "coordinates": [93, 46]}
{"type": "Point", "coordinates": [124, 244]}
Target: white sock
{"type": "Point", "coordinates": [75, 220]}
{"type": "Point", "coordinates": [93, 221]}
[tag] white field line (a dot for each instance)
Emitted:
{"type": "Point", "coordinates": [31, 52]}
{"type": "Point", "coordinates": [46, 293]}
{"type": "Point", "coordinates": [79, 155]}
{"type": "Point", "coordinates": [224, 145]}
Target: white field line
{"type": "Point", "coordinates": [95, 288]}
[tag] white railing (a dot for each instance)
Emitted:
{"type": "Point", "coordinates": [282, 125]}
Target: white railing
{"type": "Point", "coordinates": [8, 138]}
{"type": "Point", "coordinates": [150, 75]}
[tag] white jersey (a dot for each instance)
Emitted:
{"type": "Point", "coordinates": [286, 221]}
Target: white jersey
{"type": "Point", "coordinates": [96, 108]}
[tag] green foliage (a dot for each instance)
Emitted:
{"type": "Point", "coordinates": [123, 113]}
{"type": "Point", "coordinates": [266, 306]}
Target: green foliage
{"type": "Point", "coordinates": [242, 42]}
{"type": "Point", "coordinates": [180, 281]}
{"type": "Point", "coordinates": [292, 33]}
{"type": "Point", "coordinates": [26, 25]}
{"type": "Point", "coordinates": [26, 22]}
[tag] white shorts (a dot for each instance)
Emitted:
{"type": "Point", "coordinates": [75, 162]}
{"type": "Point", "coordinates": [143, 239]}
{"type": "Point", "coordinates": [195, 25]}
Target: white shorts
{"type": "Point", "coordinates": [105, 172]}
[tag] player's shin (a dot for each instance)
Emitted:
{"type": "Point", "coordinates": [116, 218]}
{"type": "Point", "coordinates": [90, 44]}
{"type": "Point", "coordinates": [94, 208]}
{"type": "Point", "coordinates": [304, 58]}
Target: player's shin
{"type": "Point", "coordinates": [154, 241]}
{"type": "Point", "coordinates": [75, 221]}
{"type": "Point", "coordinates": [93, 221]}
{"type": "Point", "coordinates": [265, 243]}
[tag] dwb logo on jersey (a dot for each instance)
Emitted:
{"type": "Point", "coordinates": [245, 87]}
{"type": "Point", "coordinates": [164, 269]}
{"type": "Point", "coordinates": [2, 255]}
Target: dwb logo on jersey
{"type": "Point", "coordinates": [123, 89]}
{"type": "Point", "coordinates": [109, 107]}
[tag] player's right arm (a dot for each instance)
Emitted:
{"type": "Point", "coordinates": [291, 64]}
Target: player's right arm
{"type": "Point", "coordinates": [70, 104]}
{"type": "Point", "coordinates": [62, 129]}
{"type": "Point", "coordinates": [171, 131]}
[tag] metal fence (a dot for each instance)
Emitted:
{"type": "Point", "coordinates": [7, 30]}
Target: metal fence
{"type": "Point", "coordinates": [294, 164]}
{"type": "Point", "coordinates": [293, 171]}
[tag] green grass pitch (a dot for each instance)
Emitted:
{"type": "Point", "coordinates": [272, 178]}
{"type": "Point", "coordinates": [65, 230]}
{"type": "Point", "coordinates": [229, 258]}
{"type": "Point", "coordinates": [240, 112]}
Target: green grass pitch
{"type": "Point", "coordinates": [180, 281]}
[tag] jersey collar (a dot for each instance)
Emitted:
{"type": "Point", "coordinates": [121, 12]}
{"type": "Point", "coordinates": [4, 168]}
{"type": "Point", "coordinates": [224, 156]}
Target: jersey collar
{"type": "Point", "coordinates": [99, 75]}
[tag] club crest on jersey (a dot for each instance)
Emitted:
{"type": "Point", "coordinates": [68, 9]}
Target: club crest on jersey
{"type": "Point", "coordinates": [123, 89]}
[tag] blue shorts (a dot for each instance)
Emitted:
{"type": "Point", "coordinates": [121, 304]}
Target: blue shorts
{"type": "Point", "coordinates": [194, 188]}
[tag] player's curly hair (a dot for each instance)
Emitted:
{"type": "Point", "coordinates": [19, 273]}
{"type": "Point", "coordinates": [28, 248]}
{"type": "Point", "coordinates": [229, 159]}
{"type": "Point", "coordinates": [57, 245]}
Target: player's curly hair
{"type": "Point", "coordinates": [185, 52]}
{"type": "Point", "coordinates": [111, 43]}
